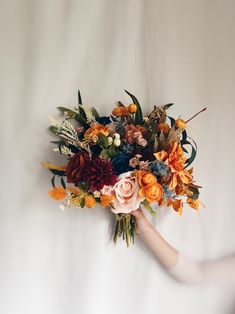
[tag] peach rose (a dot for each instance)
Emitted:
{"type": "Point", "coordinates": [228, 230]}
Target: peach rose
{"type": "Point", "coordinates": [126, 192]}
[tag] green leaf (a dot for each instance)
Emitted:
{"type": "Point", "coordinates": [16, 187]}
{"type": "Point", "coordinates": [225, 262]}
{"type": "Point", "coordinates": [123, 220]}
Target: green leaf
{"type": "Point", "coordinates": [112, 151]}
{"type": "Point", "coordinates": [138, 114]}
{"type": "Point", "coordinates": [70, 112]}
{"type": "Point", "coordinates": [172, 120]}
{"type": "Point", "coordinates": [195, 191]}
{"type": "Point", "coordinates": [193, 152]}
{"type": "Point", "coordinates": [104, 153]}
{"type": "Point", "coordinates": [184, 135]}
{"type": "Point", "coordinates": [53, 130]}
{"type": "Point", "coordinates": [103, 140]}
{"type": "Point", "coordinates": [82, 185]}
{"type": "Point", "coordinates": [53, 181]}
{"type": "Point", "coordinates": [95, 112]}
{"type": "Point", "coordinates": [59, 142]}
{"type": "Point", "coordinates": [82, 202]}
{"type": "Point", "coordinates": [79, 98]}
{"type": "Point", "coordinates": [149, 208]}
{"type": "Point", "coordinates": [63, 183]}
{"type": "Point", "coordinates": [59, 173]}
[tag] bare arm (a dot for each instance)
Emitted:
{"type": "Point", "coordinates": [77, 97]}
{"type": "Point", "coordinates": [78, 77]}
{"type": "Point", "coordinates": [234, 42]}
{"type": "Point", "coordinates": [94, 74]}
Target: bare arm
{"type": "Point", "coordinates": [179, 266]}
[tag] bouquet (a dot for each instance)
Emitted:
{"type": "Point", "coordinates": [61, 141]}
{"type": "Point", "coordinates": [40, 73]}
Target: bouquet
{"type": "Point", "coordinates": [122, 161]}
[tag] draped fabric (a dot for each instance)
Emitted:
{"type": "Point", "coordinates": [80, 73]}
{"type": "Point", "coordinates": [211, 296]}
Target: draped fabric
{"type": "Point", "coordinates": [55, 262]}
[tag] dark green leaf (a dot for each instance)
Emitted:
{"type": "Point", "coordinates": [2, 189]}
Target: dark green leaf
{"type": "Point", "coordinates": [57, 172]}
{"type": "Point", "coordinates": [195, 191]}
{"type": "Point", "coordinates": [138, 114]}
{"type": "Point", "coordinates": [172, 120]}
{"type": "Point", "coordinates": [79, 98]}
{"type": "Point", "coordinates": [103, 140]}
{"type": "Point", "coordinates": [62, 182]}
{"type": "Point", "coordinates": [53, 181]}
{"type": "Point", "coordinates": [82, 202]}
{"type": "Point", "coordinates": [82, 185]}
{"type": "Point", "coordinates": [95, 112]}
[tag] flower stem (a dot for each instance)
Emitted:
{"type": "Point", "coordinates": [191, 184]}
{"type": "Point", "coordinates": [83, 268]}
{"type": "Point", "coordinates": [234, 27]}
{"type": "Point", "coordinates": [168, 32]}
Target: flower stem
{"type": "Point", "coordinates": [196, 115]}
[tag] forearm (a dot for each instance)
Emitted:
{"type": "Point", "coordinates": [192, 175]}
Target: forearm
{"type": "Point", "coordinates": [163, 251]}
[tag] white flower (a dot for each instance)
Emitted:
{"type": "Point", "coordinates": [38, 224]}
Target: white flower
{"type": "Point", "coordinates": [116, 135]}
{"type": "Point", "coordinates": [97, 194]}
{"type": "Point", "coordinates": [117, 142]}
{"type": "Point", "coordinates": [110, 140]}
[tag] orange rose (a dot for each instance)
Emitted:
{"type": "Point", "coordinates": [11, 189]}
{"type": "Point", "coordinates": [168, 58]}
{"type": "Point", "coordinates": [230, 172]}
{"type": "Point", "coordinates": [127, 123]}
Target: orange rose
{"type": "Point", "coordinates": [89, 201]}
{"type": "Point", "coordinates": [58, 193]}
{"type": "Point", "coordinates": [120, 111]}
{"type": "Point", "coordinates": [152, 192]}
{"type": "Point", "coordinates": [95, 129]}
{"type": "Point", "coordinates": [145, 178]}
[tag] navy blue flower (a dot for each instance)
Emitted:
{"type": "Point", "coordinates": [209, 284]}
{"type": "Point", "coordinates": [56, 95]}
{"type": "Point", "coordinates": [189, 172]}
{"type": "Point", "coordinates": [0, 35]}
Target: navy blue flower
{"type": "Point", "coordinates": [103, 120]}
{"type": "Point", "coordinates": [120, 164]}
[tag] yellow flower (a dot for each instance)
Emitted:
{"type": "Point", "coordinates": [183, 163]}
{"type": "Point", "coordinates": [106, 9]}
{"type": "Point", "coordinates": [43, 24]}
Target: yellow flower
{"type": "Point", "coordinates": [58, 193]}
{"type": "Point", "coordinates": [89, 201]}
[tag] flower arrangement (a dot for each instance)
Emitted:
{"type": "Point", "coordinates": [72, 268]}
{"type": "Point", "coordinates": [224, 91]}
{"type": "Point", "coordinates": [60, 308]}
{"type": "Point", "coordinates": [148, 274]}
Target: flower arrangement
{"type": "Point", "coordinates": [123, 161]}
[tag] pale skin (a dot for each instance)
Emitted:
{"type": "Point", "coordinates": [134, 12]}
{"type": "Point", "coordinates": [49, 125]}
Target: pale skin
{"type": "Point", "coordinates": [163, 251]}
{"type": "Point", "coordinates": [183, 269]}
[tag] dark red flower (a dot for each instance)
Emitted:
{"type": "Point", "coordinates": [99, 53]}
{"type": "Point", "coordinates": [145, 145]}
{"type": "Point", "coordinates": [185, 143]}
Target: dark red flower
{"type": "Point", "coordinates": [97, 173]}
{"type": "Point", "coordinates": [75, 167]}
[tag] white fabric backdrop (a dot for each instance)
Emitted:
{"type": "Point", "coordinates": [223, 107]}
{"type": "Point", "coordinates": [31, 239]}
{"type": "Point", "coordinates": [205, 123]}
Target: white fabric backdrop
{"type": "Point", "coordinates": [54, 262]}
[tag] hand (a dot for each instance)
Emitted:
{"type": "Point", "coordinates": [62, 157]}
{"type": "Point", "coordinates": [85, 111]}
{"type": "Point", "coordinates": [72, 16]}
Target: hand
{"type": "Point", "coordinates": [143, 224]}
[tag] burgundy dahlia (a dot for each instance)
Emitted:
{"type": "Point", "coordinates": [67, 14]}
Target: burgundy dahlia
{"type": "Point", "coordinates": [97, 173]}
{"type": "Point", "coordinates": [75, 167]}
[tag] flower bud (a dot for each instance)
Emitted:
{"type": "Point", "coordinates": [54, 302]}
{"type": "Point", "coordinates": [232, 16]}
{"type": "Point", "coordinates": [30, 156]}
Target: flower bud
{"type": "Point", "coordinates": [180, 124]}
{"type": "Point", "coordinates": [132, 108]}
{"type": "Point", "coordinates": [117, 142]}
{"type": "Point", "coordinates": [116, 135]}
{"type": "Point", "coordinates": [110, 140]}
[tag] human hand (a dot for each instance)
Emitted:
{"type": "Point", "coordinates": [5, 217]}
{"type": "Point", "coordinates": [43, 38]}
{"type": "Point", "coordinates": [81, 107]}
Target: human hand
{"type": "Point", "coordinates": [143, 224]}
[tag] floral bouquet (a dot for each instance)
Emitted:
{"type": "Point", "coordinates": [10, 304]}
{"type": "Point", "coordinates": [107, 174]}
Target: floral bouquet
{"type": "Point", "coordinates": [123, 161]}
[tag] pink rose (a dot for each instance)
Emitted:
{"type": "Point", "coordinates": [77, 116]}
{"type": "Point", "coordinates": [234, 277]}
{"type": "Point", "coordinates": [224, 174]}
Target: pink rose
{"type": "Point", "coordinates": [126, 192]}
